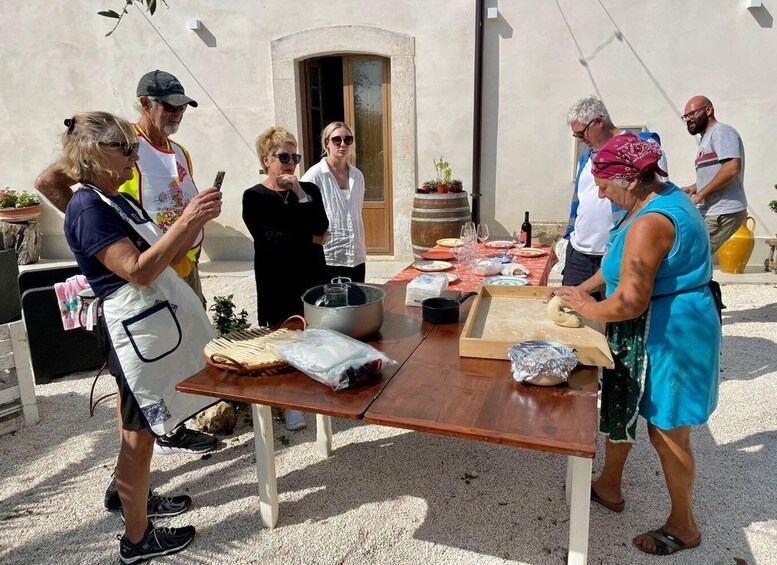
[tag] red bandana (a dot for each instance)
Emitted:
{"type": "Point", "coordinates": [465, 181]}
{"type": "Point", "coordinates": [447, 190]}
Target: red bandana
{"type": "Point", "coordinates": [627, 157]}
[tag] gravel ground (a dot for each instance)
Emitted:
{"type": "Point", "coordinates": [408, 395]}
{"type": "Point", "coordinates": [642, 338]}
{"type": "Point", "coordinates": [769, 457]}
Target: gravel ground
{"type": "Point", "coordinates": [397, 497]}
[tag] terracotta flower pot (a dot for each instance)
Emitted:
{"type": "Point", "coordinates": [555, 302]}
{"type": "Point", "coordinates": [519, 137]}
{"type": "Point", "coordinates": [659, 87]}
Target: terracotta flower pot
{"type": "Point", "coordinates": [17, 215]}
{"type": "Point", "coordinates": [442, 188]}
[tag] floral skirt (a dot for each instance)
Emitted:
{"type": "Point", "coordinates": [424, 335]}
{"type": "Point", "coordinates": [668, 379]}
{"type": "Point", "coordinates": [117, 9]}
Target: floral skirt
{"type": "Point", "coordinates": [622, 386]}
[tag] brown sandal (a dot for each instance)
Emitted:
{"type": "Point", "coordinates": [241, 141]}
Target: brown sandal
{"type": "Point", "coordinates": [666, 544]}
{"type": "Point", "coordinates": [614, 506]}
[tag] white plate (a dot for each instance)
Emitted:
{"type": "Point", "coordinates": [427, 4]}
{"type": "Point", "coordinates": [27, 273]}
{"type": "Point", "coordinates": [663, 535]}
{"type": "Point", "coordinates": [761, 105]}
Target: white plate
{"type": "Point", "coordinates": [432, 266]}
{"type": "Point", "coordinates": [503, 280]}
{"type": "Point", "coordinates": [452, 277]}
{"type": "Point", "coordinates": [528, 252]}
{"type": "Point", "coordinates": [499, 244]}
{"type": "Point", "coordinates": [450, 242]}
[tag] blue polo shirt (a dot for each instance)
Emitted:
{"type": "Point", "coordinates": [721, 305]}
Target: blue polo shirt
{"type": "Point", "coordinates": [92, 225]}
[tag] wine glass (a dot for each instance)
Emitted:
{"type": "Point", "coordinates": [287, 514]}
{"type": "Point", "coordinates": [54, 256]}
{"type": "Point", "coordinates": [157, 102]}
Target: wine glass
{"type": "Point", "coordinates": [482, 233]}
{"type": "Point", "coordinates": [518, 241]}
{"type": "Point", "coordinates": [467, 231]}
{"type": "Point", "coordinates": [460, 253]}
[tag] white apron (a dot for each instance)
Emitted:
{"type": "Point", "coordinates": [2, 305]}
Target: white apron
{"type": "Point", "coordinates": [158, 332]}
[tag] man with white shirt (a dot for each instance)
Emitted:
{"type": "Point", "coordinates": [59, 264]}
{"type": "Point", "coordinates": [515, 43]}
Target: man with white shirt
{"type": "Point", "coordinates": [591, 217]}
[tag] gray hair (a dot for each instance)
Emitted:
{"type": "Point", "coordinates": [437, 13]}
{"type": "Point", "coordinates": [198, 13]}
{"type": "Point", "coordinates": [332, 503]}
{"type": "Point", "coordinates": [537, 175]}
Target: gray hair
{"type": "Point", "coordinates": [586, 109]}
{"type": "Point", "coordinates": [152, 101]}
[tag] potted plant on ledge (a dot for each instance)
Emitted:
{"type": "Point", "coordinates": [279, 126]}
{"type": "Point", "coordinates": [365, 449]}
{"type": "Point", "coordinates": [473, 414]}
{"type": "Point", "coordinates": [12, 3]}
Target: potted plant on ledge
{"type": "Point", "coordinates": [18, 206]}
{"type": "Point", "coordinates": [19, 227]}
{"type": "Point", "coordinates": [443, 182]}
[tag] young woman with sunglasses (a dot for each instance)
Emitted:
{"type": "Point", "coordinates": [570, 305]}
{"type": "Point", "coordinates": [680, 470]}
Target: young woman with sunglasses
{"type": "Point", "coordinates": [342, 188]}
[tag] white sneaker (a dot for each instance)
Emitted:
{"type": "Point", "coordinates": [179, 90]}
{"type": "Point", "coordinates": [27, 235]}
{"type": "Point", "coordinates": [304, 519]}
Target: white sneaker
{"type": "Point", "coordinates": [293, 420]}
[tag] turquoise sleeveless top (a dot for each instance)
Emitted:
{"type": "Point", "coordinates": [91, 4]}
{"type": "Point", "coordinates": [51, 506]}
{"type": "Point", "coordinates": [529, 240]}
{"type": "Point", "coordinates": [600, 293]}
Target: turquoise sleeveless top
{"type": "Point", "coordinates": [686, 266]}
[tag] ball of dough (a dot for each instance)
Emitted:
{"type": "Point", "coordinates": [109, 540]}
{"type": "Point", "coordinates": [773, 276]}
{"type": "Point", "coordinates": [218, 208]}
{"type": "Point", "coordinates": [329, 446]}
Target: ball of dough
{"type": "Point", "coordinates": [563, 316]}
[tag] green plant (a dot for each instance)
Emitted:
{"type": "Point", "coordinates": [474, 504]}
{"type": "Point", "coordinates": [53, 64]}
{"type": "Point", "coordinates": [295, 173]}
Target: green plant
{"type": "Point", "coordinates": [442, 171]}
{"type": "Point", "coordinates": [10, 198]}
{"type": "Point", "coordinates": [773, 203]}
{"type": "Point", "coordinates": [151, 6]}
{"type": "Point", "coordinates": [429, 186]}
{"type": "Point", "coordinates": [224, 315]}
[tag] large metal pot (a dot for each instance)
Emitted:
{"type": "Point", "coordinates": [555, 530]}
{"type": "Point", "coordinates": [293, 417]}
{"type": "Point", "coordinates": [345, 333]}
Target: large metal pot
{"type": "Point", "coordinates": [357, 320]}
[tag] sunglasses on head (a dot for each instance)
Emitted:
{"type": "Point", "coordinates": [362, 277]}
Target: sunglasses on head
{"type": "Point", "coordinates": [337, 140]}
{"type": "Point", "coordinates": [126, 148]}
{"type": "Point", "coordinates": [171, 109]}
{"type": "Point", "coordinates": [284, 158]}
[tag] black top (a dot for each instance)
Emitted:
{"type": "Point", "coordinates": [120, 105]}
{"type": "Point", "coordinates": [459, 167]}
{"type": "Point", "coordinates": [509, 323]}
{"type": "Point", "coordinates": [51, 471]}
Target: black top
{"type": "Point", "coordinates": [286, 261]}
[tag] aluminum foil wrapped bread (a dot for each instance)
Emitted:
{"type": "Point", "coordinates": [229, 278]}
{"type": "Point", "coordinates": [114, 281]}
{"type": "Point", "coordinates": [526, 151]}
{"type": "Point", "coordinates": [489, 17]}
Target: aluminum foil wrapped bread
{"type": "Point", "coordinates": [543, 363]}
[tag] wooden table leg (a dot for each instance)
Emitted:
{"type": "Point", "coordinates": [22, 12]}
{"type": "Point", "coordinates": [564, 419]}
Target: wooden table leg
{"type": "Point", "coordinates": [580, 504]}
{"type": "Point", "coordinates": [324, 434]}
{"type": "Point", "coordinates": [265, 465]}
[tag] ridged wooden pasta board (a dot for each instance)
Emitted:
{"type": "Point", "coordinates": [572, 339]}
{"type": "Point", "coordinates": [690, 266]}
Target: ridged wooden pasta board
{"type": "Point", "coordinates": [502, 316]}
{"type": "Point", "coordinates": [248, 351]}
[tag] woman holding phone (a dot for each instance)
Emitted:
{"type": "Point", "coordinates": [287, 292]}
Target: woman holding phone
{"type": "Point", "coordinates": [154, 321]}
{"type": "Point", "coordinates": [342, 189]}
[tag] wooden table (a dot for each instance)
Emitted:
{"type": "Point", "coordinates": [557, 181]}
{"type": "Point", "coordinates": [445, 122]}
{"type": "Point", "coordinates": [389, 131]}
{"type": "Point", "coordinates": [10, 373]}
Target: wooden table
{"type": "Point", "coordinates": [430, 389]}
{"type": "Point", "coordinates": [439, 392]}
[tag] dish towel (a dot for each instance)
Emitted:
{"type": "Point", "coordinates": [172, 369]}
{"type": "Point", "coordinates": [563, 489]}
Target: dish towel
{"type": "Point", "coordinates": [69, 302]}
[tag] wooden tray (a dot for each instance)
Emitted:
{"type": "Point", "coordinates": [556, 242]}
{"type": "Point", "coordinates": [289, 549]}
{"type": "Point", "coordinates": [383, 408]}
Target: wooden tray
{"type": "Point", "coordinates": [502, 316]}
{"type": "Point", "coordinates": [250, 351]}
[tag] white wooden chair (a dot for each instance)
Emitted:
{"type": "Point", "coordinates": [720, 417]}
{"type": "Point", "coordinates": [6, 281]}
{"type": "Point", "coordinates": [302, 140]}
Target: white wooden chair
{"type": "Point", "coordinates": [17, 384]}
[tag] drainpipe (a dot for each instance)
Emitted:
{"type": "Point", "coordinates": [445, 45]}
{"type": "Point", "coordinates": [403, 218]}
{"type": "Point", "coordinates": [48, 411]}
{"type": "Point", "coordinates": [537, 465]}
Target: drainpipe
{"type": "Point", "coordinates": [477, 112]}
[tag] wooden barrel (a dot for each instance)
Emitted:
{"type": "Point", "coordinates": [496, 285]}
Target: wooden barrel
{"type": "Point", "coordinates": [436, 216]}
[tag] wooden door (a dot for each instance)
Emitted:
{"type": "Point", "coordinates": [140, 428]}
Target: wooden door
{"type": "Point", "coordinates": [354, 89]}
{"type": "Point", "coordinates": [366, 96]}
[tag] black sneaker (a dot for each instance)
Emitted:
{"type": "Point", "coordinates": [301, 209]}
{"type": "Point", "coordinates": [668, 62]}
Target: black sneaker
{"type": "Point", "coordinates": [156, 542]}
{"type": "Point", "coordinates": [184, 440]}
{"type": "Point", "coordinates": [112, 502]}
{"type": "Point", "coordinates": [164, 506]}
{"type": "Point", "coordinates": [157, 507]}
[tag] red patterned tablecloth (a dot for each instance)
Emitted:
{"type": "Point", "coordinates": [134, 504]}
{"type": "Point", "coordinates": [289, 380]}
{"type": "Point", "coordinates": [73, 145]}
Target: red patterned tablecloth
{"type": "Point", "coordinates": [539, 268]}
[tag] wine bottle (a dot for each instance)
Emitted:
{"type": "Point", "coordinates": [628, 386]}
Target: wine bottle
{"type": "Point", "coordinates": [526, 230]}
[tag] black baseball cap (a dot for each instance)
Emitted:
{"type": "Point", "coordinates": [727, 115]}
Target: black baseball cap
{"type": "Point", "coordinates": [166, 87]}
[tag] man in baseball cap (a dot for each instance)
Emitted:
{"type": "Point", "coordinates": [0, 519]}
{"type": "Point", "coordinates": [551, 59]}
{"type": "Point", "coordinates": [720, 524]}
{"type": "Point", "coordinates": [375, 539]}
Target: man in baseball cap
{"type": "Point", "coordinates": [165, 87]}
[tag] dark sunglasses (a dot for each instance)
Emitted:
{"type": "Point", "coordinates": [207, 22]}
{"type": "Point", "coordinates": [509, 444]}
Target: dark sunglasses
{"type": "Point", "coordinates": [126, 148]}
{"type": "Point", "coordinates": [581, 134]}
{"type": "Point", "coordinates": [284, 158]}
{"type": "Point", "coordinates": [337, 140]}
{"type": "Point", "coordinates": [170, 109]}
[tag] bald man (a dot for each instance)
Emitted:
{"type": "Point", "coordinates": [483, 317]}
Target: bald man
{"type": "Point", "coordinates": [719, 192]}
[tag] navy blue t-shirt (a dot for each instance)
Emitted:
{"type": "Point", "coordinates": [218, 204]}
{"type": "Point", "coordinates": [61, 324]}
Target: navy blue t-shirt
{"type": "Point", "coordinates": [92, 225]}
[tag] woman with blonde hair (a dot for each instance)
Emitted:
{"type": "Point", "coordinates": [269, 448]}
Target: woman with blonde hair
{"type": "Point", "coordinates": [342, 188]}
{"type": "Point", "coordinates": [155, 323]}
{"type": "Point", "coordinates": [287, 220]}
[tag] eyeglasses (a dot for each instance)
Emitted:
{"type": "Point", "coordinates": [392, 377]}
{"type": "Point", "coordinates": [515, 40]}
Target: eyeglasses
{"type": "Point", "coordinates": [170, 109]}
{"type": "Point", "coordinates": [581, 134]}
{"type": "Point", "coordinates": [692, 114]}
{"type": "Point", "coordinates": [284, 158]}
{"type": "Point", "coordinates": [337, 140]}
{"type": "Point", "coordinates": [126, 148]}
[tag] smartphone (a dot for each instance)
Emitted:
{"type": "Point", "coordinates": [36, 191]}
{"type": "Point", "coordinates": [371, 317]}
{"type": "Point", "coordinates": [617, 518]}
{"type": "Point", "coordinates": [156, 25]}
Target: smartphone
{"type": "Point", "coordinates": [219, 180]}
